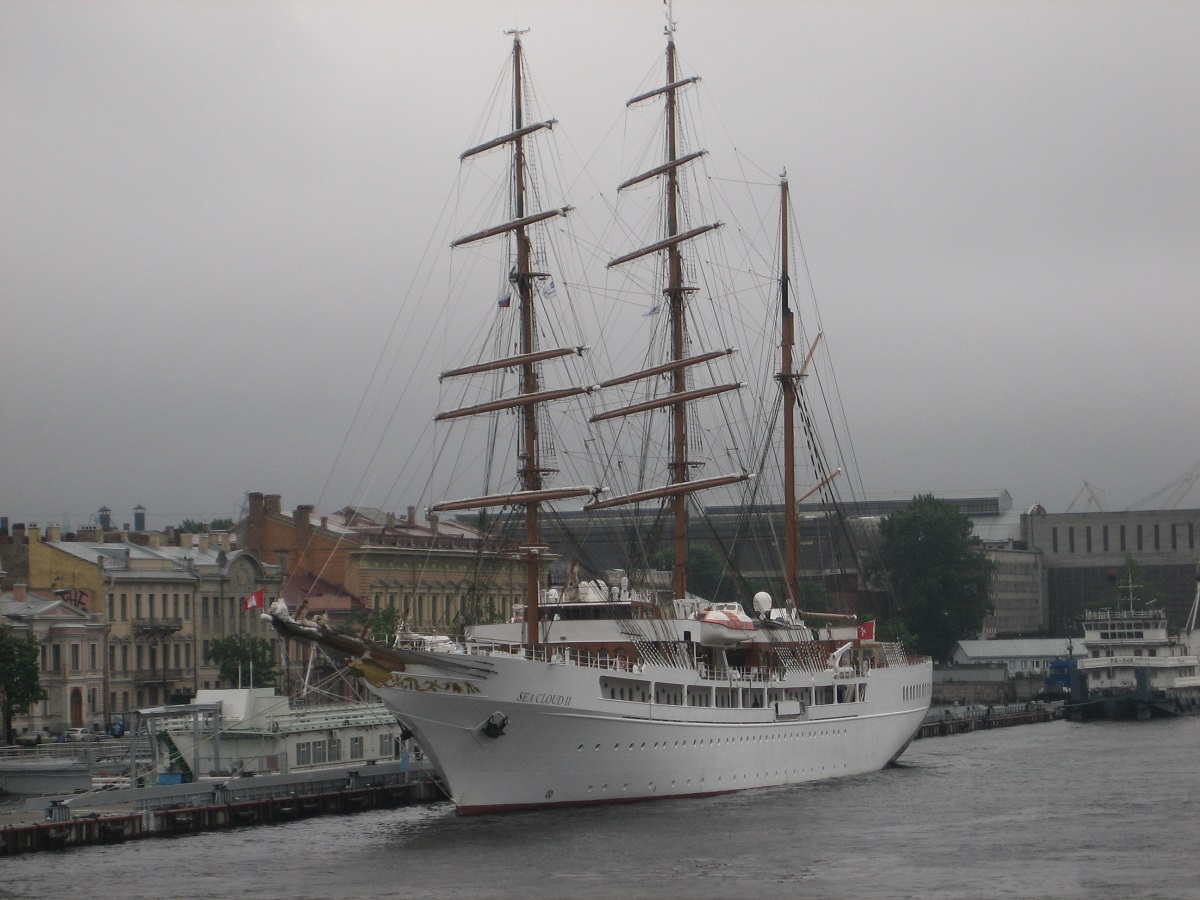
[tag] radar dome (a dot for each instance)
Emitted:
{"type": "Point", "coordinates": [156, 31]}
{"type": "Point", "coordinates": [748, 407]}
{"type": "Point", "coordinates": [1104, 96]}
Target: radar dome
{"type": "Point", "coordinates": [762, 602]}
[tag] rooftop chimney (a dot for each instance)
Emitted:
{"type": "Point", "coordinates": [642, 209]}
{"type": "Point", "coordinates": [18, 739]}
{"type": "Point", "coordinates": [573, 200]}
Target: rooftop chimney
{"type": "Point", "coordinates": [54, 532]}
{"type": "Point", "coordinates": [412, 515]}
{"type": "Point", "coordinates": [20, 593]}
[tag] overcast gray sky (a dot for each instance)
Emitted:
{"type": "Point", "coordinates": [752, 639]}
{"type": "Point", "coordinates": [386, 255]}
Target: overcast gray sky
{"type": "Point", "coordinates": [211, 210]}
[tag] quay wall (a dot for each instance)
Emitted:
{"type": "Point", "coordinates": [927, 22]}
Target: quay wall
{"type": "Point", "coordinates": [107, 817]}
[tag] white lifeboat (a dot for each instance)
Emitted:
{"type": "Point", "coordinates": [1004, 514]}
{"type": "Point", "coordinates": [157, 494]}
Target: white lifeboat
{"type": "Point", "coordinates": [724, 625]}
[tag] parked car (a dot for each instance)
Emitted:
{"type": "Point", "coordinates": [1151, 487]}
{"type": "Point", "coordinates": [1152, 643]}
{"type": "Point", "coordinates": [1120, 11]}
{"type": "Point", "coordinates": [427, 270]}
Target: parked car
{"type": "Point", "coordinates": [81, 734]}
{"type": "Point", "coordinates": [33, 738]}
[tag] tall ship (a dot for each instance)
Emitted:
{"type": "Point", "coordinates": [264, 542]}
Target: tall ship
{"type": "Point", "coordinates": [1134, 667]}
{"type": "Point", "coordinates": [618, 690]}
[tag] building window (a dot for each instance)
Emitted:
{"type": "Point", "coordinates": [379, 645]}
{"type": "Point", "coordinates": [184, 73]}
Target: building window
{"type": "Point", "coordinates": [140, 654]}
{"type": "Point", "coordinates": [92, 656]}
{"type": "Point", "coordinates": [187, 656]}
{"type": "Point", "coordinates": [124, 699]}
{"type": "Point", "coordinates": [318, 752]}
{"type": "Point", "coordinates": [164, 606]}
{"type": "Point", "coordinates": [112, 660]}
{"type": "Point", "coordinates": [1087, 536]}
{"type": "Point", "coordinates": [176, 656]}
{"type": "Point", "coordinates": [137, 606]}
{"type": "Point", "coordinates": [56, 658]}
{"type": "Point", "coordinates": [125, 664]}
{"type": "Point", "coordinates": [304, 753]}
{"type": "Point", "coordinates": [335, 750]}
{"type": "Point", "coordinates": [1053, 540]}
{"type": "Point", "coordinates": [1174, 539]}
{"type": "Point", "coordinates": [232, 609]}
{"type": "Point", "coordinates": [1191, 535]}
{"type": "Point", "coordinates": [124, 610]}
{"type": "Point", "coordinates": [387, 745]}
{"type": "Point", "coordinates": [1156, 547]}
{"type": "Point", "coordinates": [112, 609]}
{"type": "Point", "coordinates": [141, 698]}
{"type": "Point", "coordinates": [356, 747]}
{"type": "Point", "coordinates": [1122, 538]}
{"type": "Point", "coordinates": [1071, 539]}
{"type": "Point", "coordinates": [204, 651]}
{"type": "Point", "coordinates": [187, 607]}
{"type": "Point", "coordinates": [1139, 538]}
{"type": "Point", "coordinates": [175, 605]}
{"type": "Point", "coordinates": [1104, 538]}
{"type": "Point", "coordinates": [204, 608]}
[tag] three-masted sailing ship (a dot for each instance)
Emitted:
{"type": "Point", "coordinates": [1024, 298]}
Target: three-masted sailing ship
{"type": "Point", "coordinates": [599, 693]}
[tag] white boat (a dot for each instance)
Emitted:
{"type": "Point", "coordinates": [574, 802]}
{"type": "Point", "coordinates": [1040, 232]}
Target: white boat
{"type": "Point", "coordinates": [600, 693]}
{"type": "Point", "coordinates": [1134, 667]}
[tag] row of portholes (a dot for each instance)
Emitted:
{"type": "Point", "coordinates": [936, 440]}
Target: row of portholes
{"type": "Point", "coordinates": [653, 788]}
{"type": "Point", "coordinates": [699, 742]}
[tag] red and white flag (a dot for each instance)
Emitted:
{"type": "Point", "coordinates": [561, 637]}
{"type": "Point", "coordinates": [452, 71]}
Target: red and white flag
{"type": "Point", "coordinates": [866, 631]}
{"type": "Point", "coordinates": [256, 600]}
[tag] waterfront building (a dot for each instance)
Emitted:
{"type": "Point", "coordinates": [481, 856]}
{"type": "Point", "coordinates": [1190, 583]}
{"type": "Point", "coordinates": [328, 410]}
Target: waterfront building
{"type": "Point", "coordinates": [71, 668]}
{"type": "Point", "coordinates": [1024, 656]}
{"type": "Point", "coordinates": [1084, 555]}
{"type": "Point", "coordinates": [163, 606]}
{"type": "Point", "coordinates": [435, 573]}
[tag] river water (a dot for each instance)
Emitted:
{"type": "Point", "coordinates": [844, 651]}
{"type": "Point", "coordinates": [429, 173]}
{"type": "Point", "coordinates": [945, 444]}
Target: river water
{"type": "Point", "coordinates": [1063, 810]}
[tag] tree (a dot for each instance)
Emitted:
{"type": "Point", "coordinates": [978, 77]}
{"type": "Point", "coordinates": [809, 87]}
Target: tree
{"type": "Point", "coordinates": [706, 569]}
{"type": "Point", "coordinates": [241, 656]}
{"type": "Point", "coordinates": [938, 573]}
{"type": "Point", "coordinates": [19, 686]}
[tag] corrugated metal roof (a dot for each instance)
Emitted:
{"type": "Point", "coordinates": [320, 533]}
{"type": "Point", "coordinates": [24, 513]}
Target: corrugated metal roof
{"type": "Point", "coordinates": [1017, 648]}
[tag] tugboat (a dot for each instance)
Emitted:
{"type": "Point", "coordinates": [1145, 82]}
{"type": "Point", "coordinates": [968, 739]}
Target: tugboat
{"type": "Point", "coordinates": [1134, 668]}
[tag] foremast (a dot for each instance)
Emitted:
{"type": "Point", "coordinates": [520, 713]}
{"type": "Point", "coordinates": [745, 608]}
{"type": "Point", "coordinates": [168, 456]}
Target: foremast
{"type": "Point", "coordinates": [675, 292]}
{"type": "Point", "coordinates": [531, 471]}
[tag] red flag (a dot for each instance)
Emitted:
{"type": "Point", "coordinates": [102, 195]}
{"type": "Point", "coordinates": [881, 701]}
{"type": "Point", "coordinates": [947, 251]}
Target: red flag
{"type": "Point", "coordinates": [256, 600]}
{"type": "Point", "coordinates": [866, 631]}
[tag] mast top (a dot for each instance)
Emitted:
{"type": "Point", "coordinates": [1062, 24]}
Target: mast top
{"type": "Point", "coordinates": [516, 33]}
{"type": "Point", "coordinates": [669, 30]}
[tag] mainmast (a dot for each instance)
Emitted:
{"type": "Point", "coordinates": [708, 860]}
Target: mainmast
{"type": "Point", "coordinates": [530, 396]}
{"type": "Point", "coordinates": [675, 292]}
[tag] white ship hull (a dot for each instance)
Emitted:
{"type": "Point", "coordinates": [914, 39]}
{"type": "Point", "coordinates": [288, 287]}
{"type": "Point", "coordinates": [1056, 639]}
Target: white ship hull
{"type": "Point", "coordinates": [564, 744]}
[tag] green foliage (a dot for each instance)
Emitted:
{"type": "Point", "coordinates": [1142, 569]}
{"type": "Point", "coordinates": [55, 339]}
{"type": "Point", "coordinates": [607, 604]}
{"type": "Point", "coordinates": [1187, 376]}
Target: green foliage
{"type": "Point", "coordinates": [221, 524]}
{"type": "Point", "coordinates": [19, 685]}
{"type": "Point", "coordinates": [708, 575]}
{"type": "Point", "coordinates": [250, 653]}
{"type": "Point", "coordinates": [938, 573]}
